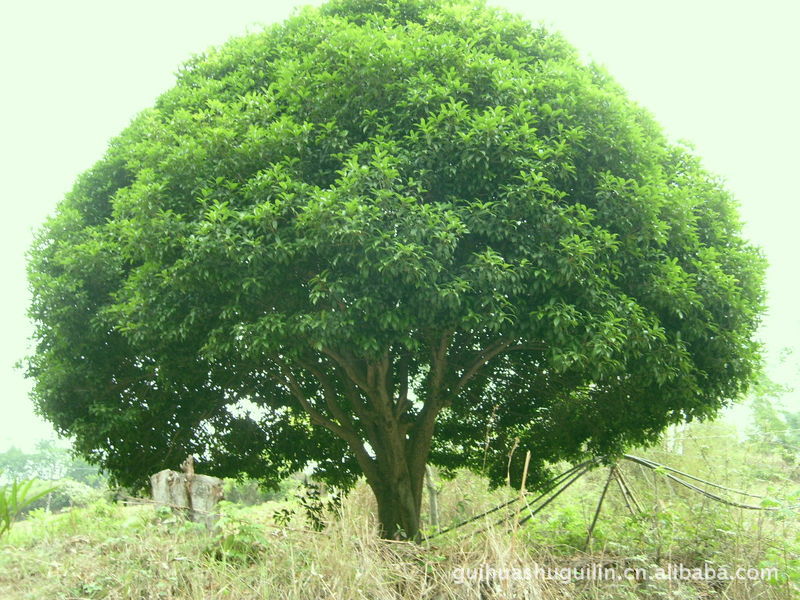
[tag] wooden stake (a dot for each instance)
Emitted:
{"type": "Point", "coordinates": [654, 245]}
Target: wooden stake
{"type": "Point", "coordinates": [611, 473]}
{"type": "Point", "coordinates": [522, 489]}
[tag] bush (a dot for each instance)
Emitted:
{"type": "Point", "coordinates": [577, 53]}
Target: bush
{"type": "Point", "coordinates": [67, 493]}
{"type": "Point", "coordinates": [250, 492]}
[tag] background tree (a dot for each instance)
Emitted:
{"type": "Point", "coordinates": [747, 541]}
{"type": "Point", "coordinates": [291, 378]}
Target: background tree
{"type": "Point", "coordinates": [380, 220]}
{"type": "Point", "coordinates": [14, 464]}
{"type": "Point", "coordinates": [48, 462]}
{"type": "Point", "coordinates": [773, 427]}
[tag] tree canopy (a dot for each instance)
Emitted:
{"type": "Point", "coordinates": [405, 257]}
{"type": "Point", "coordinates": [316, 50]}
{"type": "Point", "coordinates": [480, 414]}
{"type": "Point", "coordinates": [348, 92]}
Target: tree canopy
{"type": "Point", "coordinates": [385, 233]}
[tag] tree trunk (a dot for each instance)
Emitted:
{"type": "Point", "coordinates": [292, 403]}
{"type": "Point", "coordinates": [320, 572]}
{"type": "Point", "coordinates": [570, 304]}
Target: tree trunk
{"type": "Point", "coordinates": [398, 447]}
{"type": "Point", "coordinates": [397, 514]}
{"type": "Point", "coordinates": [399, 503]}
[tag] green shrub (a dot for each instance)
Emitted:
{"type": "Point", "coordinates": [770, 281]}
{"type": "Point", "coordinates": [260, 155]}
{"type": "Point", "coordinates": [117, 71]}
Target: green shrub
{"type": "Point", "coordinates": [67, 493]}
{"type": "Point", "coordinates": [237, 539]}
{"type": "Point", "coordinates": [250, 492]}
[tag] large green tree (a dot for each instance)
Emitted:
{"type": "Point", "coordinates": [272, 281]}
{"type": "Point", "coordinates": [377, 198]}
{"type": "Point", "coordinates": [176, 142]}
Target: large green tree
{"type": "Point", "coordinates": [383, 234]}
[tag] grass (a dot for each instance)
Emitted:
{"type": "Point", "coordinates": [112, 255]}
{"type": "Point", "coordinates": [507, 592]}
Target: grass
{"type": "Point", "coordinates": [113, 551]}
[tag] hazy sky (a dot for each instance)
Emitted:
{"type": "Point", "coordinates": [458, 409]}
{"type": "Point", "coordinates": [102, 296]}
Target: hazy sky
{"type": "Point", "coordinates": [721, 75]}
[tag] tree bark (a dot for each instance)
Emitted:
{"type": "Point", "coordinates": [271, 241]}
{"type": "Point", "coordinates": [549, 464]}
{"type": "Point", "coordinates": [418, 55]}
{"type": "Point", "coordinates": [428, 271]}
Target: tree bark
{"type": "Point", "coordinates": [398, 479]}
{"type": "Point", "coordinates": [398, 504]}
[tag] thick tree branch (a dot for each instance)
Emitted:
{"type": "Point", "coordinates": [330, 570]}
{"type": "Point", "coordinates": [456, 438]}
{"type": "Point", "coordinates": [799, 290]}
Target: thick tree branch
{"type": "Point", "coordinates": [375, 440]}
{"type": "Point", "coordinates": [419, 441]}
{"type": "Point", "coordinates": [500, 346]}
{"type": "Point", "coordinates": [316, 416]}
{"type": "Point", "coordinates": [352, 393]}
{"type": "Point", "coordinates": [329, 394]}
{"type": "Point", "coordinates": [439, 365]}
{"type": "Point", "coordinates": [355, 444]}
{"type": "Point", "coordinates": [383, 384]}
{"type": "Point", "coordinates": [402, 404]}
{"type": "Point", "coordinates": [349, 368]}
{"type": "Point", "coordinates": [484, 357]}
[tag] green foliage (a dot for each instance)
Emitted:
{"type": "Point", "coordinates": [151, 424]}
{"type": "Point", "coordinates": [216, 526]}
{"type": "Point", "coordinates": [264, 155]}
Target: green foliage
{"type": "Point", "coordinates": [787, 556]}
{"type": "Point", "coordinates": [316, 505]}
{"type": "Point", "coordinates": [250, 492]}
{"type": "Point", "coordinates": [236, 538]}
{"type": "Point", "coordinates": [16, 496]}
{"type": "Point", "coordinates": [377, 220]}
{"type": "Point", "coordinates": [66, 493]}
{"type": "Point", "coordinates": [774, 428]}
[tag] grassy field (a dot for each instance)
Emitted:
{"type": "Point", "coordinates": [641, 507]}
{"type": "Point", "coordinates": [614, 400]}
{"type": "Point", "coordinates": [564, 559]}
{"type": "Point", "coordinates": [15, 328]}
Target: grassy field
{"type": "Point", "coordinates": [116, 551]}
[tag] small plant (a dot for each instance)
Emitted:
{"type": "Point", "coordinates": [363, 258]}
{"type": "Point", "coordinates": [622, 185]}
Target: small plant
{"type": "Point", "coordinates": [237, 539]}
{"type": "Point", "coordinates": [16, 496]}
{"type": "Point", "coordinates": [316, 504]}
{"type": "Point", "coordinates": [283, 516]}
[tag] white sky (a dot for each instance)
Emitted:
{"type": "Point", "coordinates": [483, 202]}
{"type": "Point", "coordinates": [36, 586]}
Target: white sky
{"type": "Point", "coordinates": [719, 74]}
